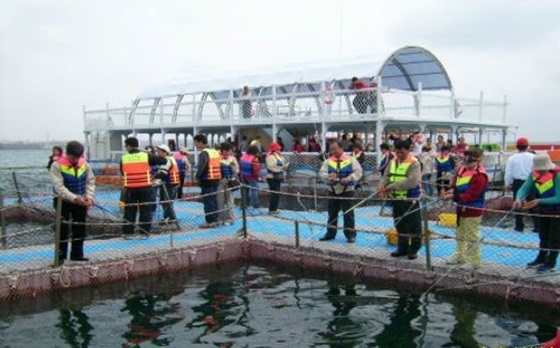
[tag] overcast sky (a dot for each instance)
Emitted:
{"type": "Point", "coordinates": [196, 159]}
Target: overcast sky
{"type": "Point", "coordinates": [56, 56]}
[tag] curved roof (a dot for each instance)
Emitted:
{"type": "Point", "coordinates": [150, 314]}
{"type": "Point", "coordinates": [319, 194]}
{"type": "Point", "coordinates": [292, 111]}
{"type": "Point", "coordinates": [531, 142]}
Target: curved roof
{"type": "Point", "coordinates": [403, 69]}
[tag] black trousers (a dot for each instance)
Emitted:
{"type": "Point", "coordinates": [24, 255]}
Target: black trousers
{"type": "Point", "coordinates": [334, 206]}
{"type": "Point", "coordinates": [138, 195]}
{"type": "Point", "coordinates": [408, 222]}
{"type": "Point", "coordinates": [519, 225]}
{"type": "Point", "coordinates": [274, 187]}
{"type": "Point", "coordinates": [549, 238]}
{"type": "Point", "coordinates": [75, 213]}
{"type": "Point", "coordinates": [209, 188]}
{"type": "Point", "coordinates": [181, 183]}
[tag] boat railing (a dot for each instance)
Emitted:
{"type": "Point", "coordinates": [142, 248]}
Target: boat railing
{"type": "Point", "coordinates": [327, 105]}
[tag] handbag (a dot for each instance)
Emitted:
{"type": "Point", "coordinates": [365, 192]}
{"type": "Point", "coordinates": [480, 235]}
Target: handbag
{"type": "Point", "coordinates": [233, 184]}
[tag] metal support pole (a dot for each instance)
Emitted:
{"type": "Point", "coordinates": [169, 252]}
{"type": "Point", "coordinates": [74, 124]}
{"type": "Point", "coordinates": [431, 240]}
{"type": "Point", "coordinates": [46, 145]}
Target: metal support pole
{"type": "Point", "coordinates": [297, 233]}
{"type": "Point", "coordinates": [244, 211]}
{"type": "Point", "coordinates": [20, 200]}
{"type": "Point", "coordinates": [315, 192]}
{"type": "Point", "coordinates": [426, 232]}
{"type": "Point", "coordinates": [3, 221]}
{"type": "Point", "coordinates": [57, 226]}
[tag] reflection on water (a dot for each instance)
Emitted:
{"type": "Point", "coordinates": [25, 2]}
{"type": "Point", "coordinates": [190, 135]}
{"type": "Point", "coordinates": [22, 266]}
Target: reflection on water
{"type": "Point", "coordinates": [242, 305]}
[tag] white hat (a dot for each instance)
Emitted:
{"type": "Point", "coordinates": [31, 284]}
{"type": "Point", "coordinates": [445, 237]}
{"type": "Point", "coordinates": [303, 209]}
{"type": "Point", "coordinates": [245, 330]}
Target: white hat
{"type": "Point", "coordinates": [542, 162]}
{"type": "Point", "coordinates": [164, 148]}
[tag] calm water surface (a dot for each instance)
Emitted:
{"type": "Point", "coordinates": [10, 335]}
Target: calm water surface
{"type": "Point", "coordinates": [244, 305]}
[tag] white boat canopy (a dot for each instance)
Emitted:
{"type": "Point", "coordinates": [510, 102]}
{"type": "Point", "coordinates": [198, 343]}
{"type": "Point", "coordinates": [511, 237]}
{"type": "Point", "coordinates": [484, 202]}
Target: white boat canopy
{"type": "Point", "coordinates": [402, 70]}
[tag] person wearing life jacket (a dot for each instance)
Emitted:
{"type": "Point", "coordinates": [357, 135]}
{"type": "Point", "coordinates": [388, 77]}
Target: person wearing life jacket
{"type": "Point", "coordinates": [208, 175]}
{"type": "Point", "coordinates": [276, 165]}
{"type": "Point", "coordinates": [230, 169]}
{"type": "Point", "coordinates": [401, 183]}
{"type": "Point", "coordinates": [137, 184]}
{"type": "Point", "coordinates": [74, 184]}
{"type": "Point", "coordinates": [170, 182]}
{"type": "Point", "coordinates": [545, 181]}
{"type": "Point", "coordinates": [445, 165]}
{"type": "Point", "coordinates": [56, 154]}
{"type": "Point", "coordinates": [386, 157]}
{"type": "Point", "coordinates": [250, 168]}
{"type": "Point", "coordinates": [468, 190]}
{"type": "Point", "coordinates": [341, 172]}
{"type": "Point", "coordinates": [184, 167]}
{"type": "Point", "coordinates": [518, 167]}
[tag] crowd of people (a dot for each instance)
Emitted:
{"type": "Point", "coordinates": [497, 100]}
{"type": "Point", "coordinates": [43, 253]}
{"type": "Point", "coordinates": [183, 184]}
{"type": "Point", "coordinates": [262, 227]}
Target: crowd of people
{"type": "Point", "coordinates": [459, 176]}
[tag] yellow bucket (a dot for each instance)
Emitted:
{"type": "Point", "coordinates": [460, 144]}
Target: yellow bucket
{"type": "Point", "coordinates": [447, 220]}
{"type": "Point", "coordinates": [393, 238]}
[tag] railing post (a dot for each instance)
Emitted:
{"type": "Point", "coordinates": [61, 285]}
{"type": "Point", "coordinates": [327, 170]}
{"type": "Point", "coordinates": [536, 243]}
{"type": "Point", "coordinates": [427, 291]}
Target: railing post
{"type": "Point", "coordinates": [297, 233]}
{"type": "Point", "coordinates": [418, 100]}
{"type": "Point", "coordinates": [315, 192]}
{"type": "Point", "coordinates": [426, 232]}
{"type": "Point", "coordinates": [20, 200]}
{"type": "Point", "coordinates": [3, 221]}
{"type": "Point", "coordinates": [244, 210]}
{"type": "Point", "coordinates": [57, 227]}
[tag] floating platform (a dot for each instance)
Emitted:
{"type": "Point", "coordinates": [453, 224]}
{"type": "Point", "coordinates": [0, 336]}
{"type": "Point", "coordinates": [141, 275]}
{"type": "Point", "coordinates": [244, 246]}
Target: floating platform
{"type": "Point", "coordinates": [28, 271]}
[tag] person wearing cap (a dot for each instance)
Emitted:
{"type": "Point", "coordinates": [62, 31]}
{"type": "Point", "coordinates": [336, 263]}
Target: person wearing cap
{"type": "Point", "coordinates": [468, 189]}
{"type": "Point", "coordinates": [401, 182]}
{"type": "Point", "coordinates": [276, 165]}
{"type": "Point", "coordinates": [545, 181]}
{"type": "Point", "coordinates": [137, 184]}
{"type": "Point", "coordinates": [518, 167]}
{"type": "Point", "coordinates": [208, 175]}
{"type": "Point", "coordinates": [169, 174]}
{"type": "Point", "coordinates": [341, 172]}
{"type": "Point", "coordinates": [184, 166]}
{"type": "Point", "coordinates": [74, 184]}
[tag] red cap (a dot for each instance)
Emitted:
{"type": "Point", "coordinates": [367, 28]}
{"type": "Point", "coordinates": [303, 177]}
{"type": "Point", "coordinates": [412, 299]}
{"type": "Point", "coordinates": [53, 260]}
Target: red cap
{"type": "Point", "coordinates": [274, 147]}
{"type": "Point", "coordinates": [522, 142]}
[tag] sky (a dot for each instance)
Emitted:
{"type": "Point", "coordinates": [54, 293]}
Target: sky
{"type": "Point", "coordinates": [58, 56]}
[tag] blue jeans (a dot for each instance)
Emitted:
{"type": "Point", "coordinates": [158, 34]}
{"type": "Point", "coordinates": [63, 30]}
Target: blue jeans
{"type": "Point", "coordinates": [427, 184]}
{"type": "Point", "coordinates": [252, 193]}
{"type": "Point", "coordinates": [210, 201]}
{"type": "Point", "coordinates": [167, 193]}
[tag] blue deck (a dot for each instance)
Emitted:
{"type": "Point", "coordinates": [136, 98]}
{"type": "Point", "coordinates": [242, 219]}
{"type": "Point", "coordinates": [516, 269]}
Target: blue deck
{"type": "Point", "coordinates": [190, 217]}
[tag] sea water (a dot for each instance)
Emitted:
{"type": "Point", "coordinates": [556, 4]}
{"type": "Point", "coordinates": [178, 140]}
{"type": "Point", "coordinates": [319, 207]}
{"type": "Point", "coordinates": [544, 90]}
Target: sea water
{"type": "Point", "coordinates": [262, 305]}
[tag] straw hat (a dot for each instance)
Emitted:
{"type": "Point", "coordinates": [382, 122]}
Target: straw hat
{"type": "Point", "coordinates": [542, 162]}
{"type": "Point", "coordinates": [164, 148]}
{"type": "Point", "coordinates": [184, 151]}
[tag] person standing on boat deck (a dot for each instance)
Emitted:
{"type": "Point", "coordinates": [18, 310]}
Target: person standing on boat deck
{"type": "Point", "coordinates": [208, 175]}
{"type": "Point", "coordinates": [427, 163]}
{"type": "Point", "coordinates": [518, 168]}
{"type": "Point", "coordinates": [360, 156]}
{"type": "Point", "coordinates": [445, 164]}
{"type": "Point", "coordinates": [184, 166]}
{"type": "Point", "coordinates": [341, 172]}
{"type": "Point", "coordinates": [545, 180]}
{"type": "Point", "coordinates": [250, 169]}
{"type": "Point", "coordinates": [56, 154]}
{"type": "Point", "coordinates": [402, 183]}
{"type": "Point", "coordinates": [276, 165]}
{"type": "Point", "coordinates": [137, 183]}
{"type": "Point", "coordinates": [467, 190]}
{"type": "Point", "coordinates": [154, 169]}
{"type": "Point", "coordinates": [360, 101]}
{"type": "Point", "coordinates": [170, 182]}
{"type": "Point", "coordinates": [230, 170]}
{"type": "Point", "coordinates": [386, 157]}
{"type": "Point", "coordinates": [74, 183]}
